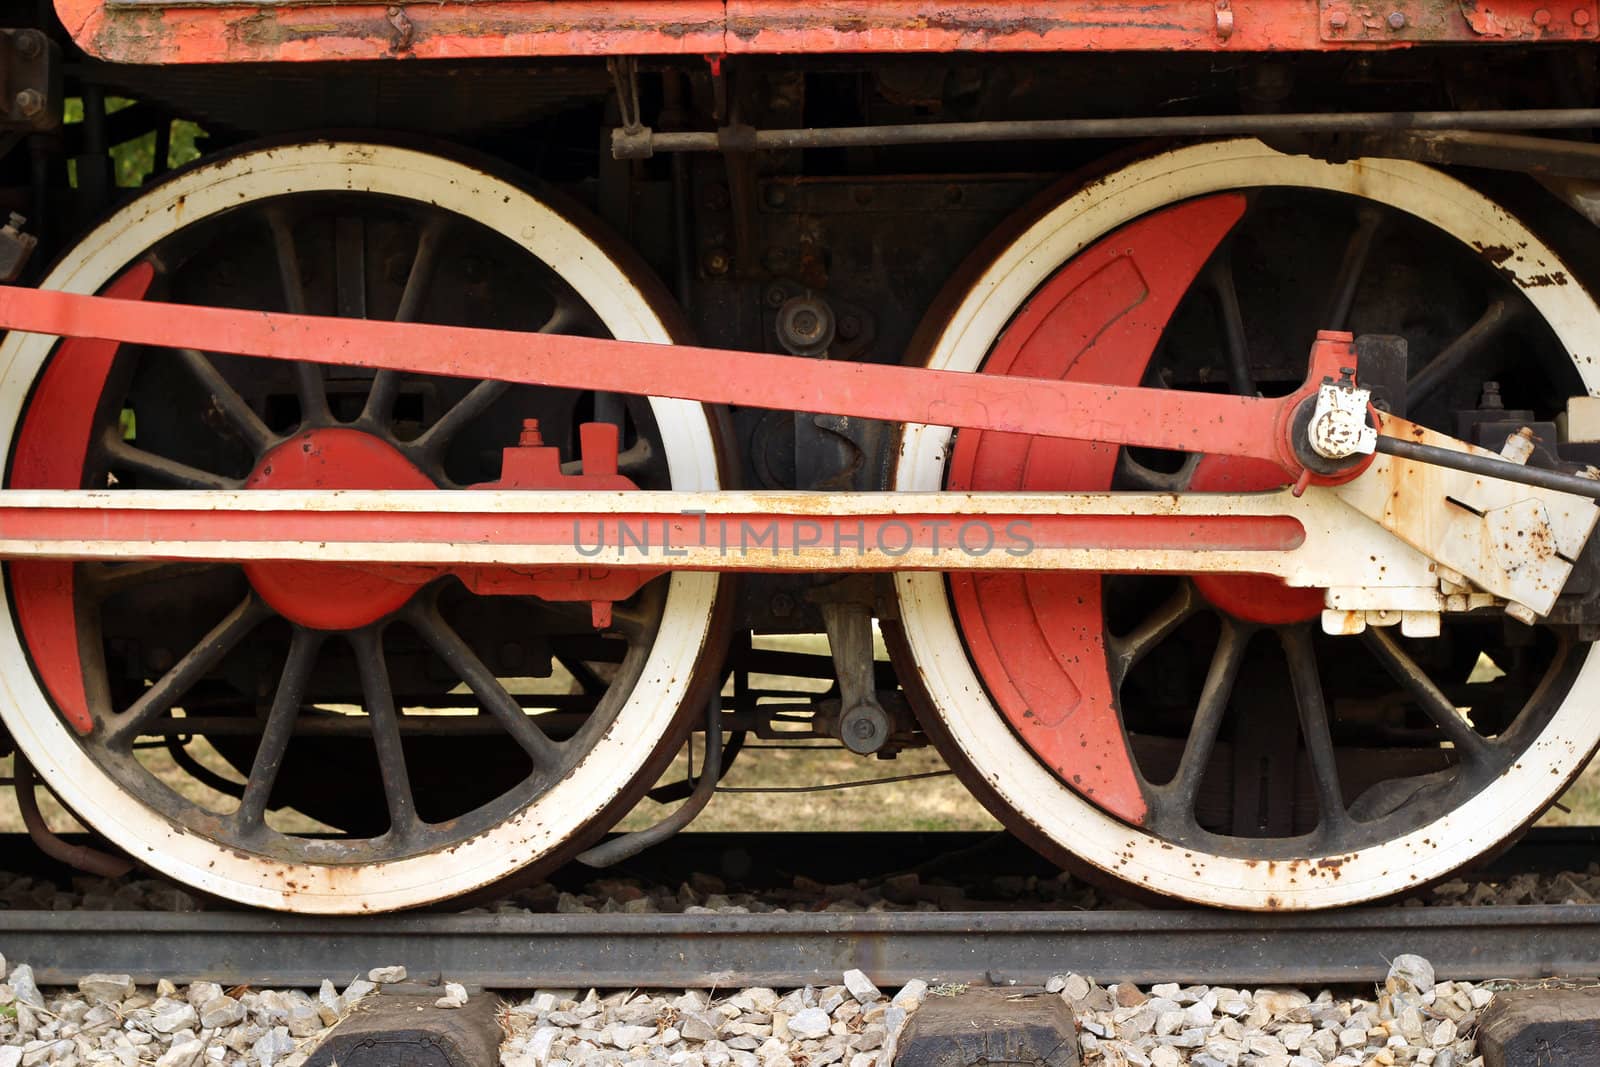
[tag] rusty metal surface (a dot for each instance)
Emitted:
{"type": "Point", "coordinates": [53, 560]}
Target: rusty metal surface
{"type": "Point", "coordinates": [1381, 128]}
{"type": "Point", "coordinates": [1427, 21]}
{"type": "Point", "coordinates": [632, 951]}
{"type": "Point", "coordinates": [201, 31]}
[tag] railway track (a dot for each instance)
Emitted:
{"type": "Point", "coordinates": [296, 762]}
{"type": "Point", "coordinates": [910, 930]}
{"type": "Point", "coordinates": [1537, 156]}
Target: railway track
{"type": "Point", "coordinates": [1009, 942]}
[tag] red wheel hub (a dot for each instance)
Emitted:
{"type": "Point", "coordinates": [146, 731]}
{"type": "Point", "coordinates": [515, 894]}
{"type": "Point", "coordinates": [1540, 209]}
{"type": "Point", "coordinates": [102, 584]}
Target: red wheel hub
{"type": "Point", "coordinates": [332, 596]}
{"type": "Point", "coordinates": [1261, 598]}
{"type": "Point", "coordinates": [1038, 639]}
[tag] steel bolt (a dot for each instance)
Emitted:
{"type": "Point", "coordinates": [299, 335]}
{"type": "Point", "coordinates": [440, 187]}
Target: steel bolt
{"type": "Point", "coordinates": [777, 196]}
{"type": "Point", "coordinates": [28, 103]}
{"type": "Point", "coordinates": [850, 327]}
{"type": "Point", "coordinates": [1338, 21]}
{"type": "Point", "coordinates": [776, 296]}
{"type": "Point", "coordinates": [29, 43]}
{"type": "Point", "coordinates": [1580, 17]}
{"type": "Point", "coordinates": [1541, 17]}
{"type": "Point", "coordinates": [531, 437]}
{"type": "Point", "coordinates": [717, 262]}
{"type": "Point", "coordinates": [805, 326]}
{"type": "Point", "coordinates": [782, 605]}
{"type": "Point", "coordinates": [1397, 20]}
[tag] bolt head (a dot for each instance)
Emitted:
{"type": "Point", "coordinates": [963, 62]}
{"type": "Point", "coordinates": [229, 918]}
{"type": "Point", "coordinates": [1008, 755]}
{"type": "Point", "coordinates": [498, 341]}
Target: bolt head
{"type": "Point", "coordinates": [1580, 17]}
{"type": "Point", "coordinates": [29, 43]}
{"type": "Point", "coordinates": [1397, 20]}
{"type": "Point", "coordinates": [1541, 17]}
{"type": "Point", "coordinates": [1338, 20]}
{"type": "Point", "coordinates": [717, 262]}
{"type": "Point", "coordinates": [28, 103]}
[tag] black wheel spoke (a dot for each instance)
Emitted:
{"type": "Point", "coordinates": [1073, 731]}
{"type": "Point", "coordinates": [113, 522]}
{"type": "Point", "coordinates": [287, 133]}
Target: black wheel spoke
{"type": "Point", "coordinates": [170, 471]}
{"type": "Point", "coordinates": [1369, 221]}
{"type": "Point", "coordinates": [226, 400]}
{"type": "Point", "coordinates": [1126, 651]}
{"type": "Point", "coordinates": [1220, 275]}
{"type": "Point", "coordinates": [107, 579]}
{"type": "Point", "coordinates": [1145, 477]}
{"type": "Point", "coordinates": [563, 317]}
{"type": "Point", "coordinates": [449, 646]}
{"type": "Point", "coordinates": [170, 687]}
{"type": "Point", "coordinates": [437, 437]}
{"type": "Point", "coordinates": [309, 385]}
{"type": "Point", "coordinates": [1315, 729]}
{"type": "Point", "coordinates": [419, 281]}
{"type": "Point", "coordinates": [285, 710]}
{"type": "Point", "coordinates": [1220, 679]}
{"type": "Point", "coordinates": [1455, 356]}
{"type": "Point", "coordinates": [1472, 746]}
{"type": "Point", "coordinates": [385, 720]}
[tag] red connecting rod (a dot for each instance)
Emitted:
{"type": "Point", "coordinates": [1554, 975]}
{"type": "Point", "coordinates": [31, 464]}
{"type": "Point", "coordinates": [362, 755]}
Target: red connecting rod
{"type": "Point", "coordinates": [1152, 418]}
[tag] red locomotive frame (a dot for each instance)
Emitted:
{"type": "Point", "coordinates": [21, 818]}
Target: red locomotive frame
{"type": "Point", "coordinates": [201, 31]}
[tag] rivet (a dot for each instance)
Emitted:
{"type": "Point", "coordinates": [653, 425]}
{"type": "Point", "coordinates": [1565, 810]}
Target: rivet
{"type": "Point", "coordinates": [1338, 20]}
{"type": "Point", "coordinates": [716, 261]}
{"type": "Point", "coordinates": [1397, 20]}
{"type": "Point", "coordinates": [1580, 17]}
{"type": "Point", "coordinates": [1541, 17]}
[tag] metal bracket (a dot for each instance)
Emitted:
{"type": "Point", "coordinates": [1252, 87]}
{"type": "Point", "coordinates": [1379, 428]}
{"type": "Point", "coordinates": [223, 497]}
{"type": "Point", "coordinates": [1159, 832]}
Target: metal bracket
{"type": "Point", "coordinates": [1457, 20]}
{"type": "Point", "coordinates": [863, 726]}
{"type": "Point", "coordinates": [30, 81]}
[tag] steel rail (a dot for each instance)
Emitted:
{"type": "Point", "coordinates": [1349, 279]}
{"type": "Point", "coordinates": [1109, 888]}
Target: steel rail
{"type": "Point", "coordinates": [992, 945]}
{"type": "Point", "coordinates": [724, 950]}
{"type": "Point", "coordinates": [642, 141]}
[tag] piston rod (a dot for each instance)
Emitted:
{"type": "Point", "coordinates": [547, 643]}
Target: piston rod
{"type": "Point", "coordinates": [1490, 467]}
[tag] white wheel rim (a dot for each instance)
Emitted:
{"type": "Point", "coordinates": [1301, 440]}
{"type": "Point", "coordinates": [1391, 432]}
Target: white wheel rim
{"type": "Point", "coordinates": [958, 697]}
{"type": "Point", "coordinates": [617, 757]}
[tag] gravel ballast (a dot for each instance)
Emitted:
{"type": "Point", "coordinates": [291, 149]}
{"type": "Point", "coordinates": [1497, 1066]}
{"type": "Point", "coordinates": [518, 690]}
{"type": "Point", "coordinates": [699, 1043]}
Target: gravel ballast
{"type": "Point", "coordinates": [1414, 1018]}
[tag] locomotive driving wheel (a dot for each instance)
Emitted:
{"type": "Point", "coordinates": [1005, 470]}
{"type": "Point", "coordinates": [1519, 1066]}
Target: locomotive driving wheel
{"type": "Point", "coordinates": [1201, 737]}
{"type": "Point", "coordinates": [439, 739]}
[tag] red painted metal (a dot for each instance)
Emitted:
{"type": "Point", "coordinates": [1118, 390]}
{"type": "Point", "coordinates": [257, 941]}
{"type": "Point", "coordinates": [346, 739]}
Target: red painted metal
{"type": "Point", "coordinates": [1259, 598]}
{"type": "Point", "coordinates": [1426, 21]}
{"type": "Point", "coordinates": [1109, 414]}
{"type": "Point", "coordinates": [1037, 639]}
{"type": "Point", "coordinates": [51, 448]}
{"type": "Point", "coordinates": [332, 596]}
{"type": "Point", "coordinates": [194, 31]}
{"type": "Point", "coordinates": [644, 541]}
{"type": "Point", "coordinates": [339, 596]}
